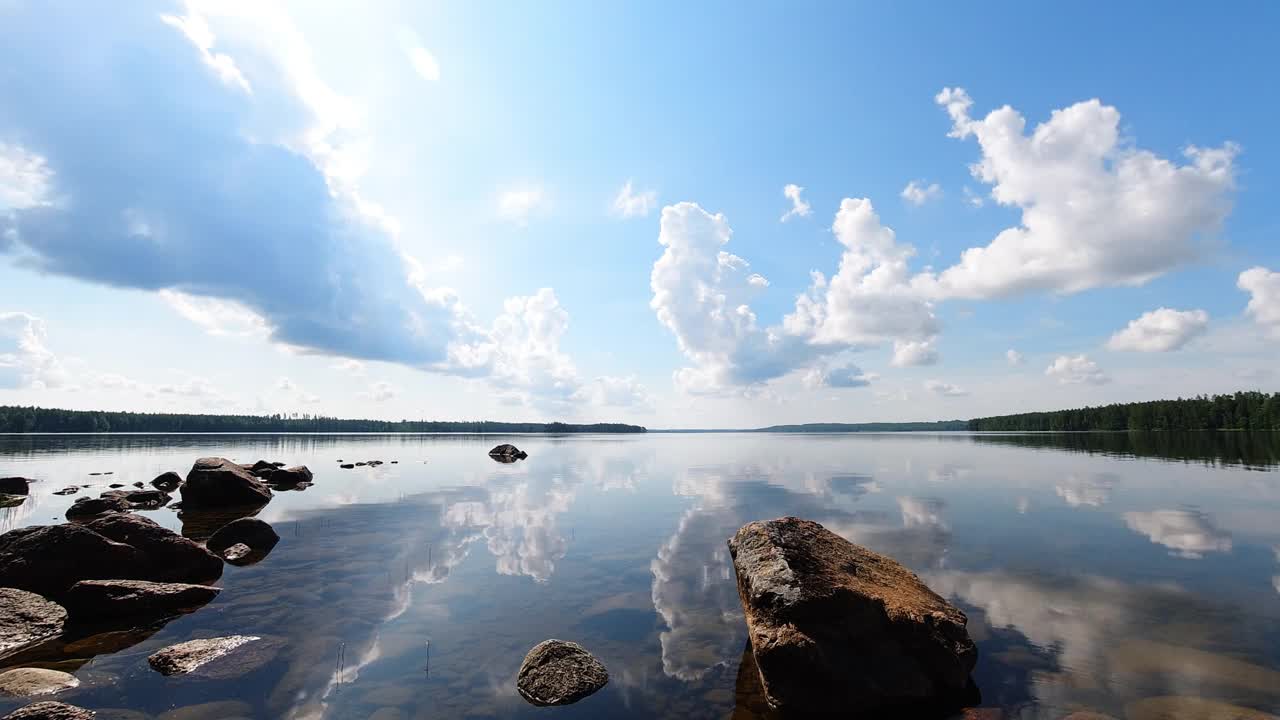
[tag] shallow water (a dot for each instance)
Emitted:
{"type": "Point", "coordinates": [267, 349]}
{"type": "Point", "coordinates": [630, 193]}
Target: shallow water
{"type": "Point", "coordinates": [1098, 572]}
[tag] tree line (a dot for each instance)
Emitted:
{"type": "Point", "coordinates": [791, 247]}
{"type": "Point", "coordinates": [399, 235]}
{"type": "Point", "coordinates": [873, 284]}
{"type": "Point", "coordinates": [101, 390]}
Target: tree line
{"type": "Point", "coordinates": [15, 419]}
{"type": "Point", "coordinates": [1237, 411]}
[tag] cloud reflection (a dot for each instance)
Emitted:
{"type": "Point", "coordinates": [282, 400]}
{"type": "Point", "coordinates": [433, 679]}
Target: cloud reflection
{"type": "Point", "coordinates": [1092, 490]}
{"type": "Point", "coordinates": [1188, 533]}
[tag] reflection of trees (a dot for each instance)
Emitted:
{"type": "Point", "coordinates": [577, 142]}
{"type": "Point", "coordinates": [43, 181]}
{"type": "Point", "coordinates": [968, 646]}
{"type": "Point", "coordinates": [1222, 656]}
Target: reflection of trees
{"type": "Point", "coordinates": [1250, 449]}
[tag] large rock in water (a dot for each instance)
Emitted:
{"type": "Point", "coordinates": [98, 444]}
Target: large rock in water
{"type": "Point", "coordinates": [27, 619]}
{"type": "Point", "coordinates": [838, 628]}
{"type": "Point", "coordinates": [218, 482]}
{"type": "Point", "coordinates": [91, 600]}
{"type": "Point", "coordinates": [557, 672]}
{"type": "Point", "coordinates": [258, 536]}
{"type": "Point", "coordinates": [173, 557]}
{"type": "Point", "coordinates": [50, 710]}
{"type": "Point", "coordinates": [185, 657]}
{"type": "Point", "coordinates": [29, 682]}
{"type": "Point", "coordinates": [507, 453]}
{"type": "Point", "coordinates": [13, 486]}
{"type": "Point", "coordinates": [87, 507]}
{"type": "Point", "coordinates": [49, 559]}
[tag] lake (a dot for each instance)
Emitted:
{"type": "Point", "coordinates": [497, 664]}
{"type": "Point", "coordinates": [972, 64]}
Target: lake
{"type": "Point", "coordinates": [1134, 576]}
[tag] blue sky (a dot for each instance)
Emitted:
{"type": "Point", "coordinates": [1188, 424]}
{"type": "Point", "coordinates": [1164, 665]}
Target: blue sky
{"type": "Point", "coordinates": [575, 210]}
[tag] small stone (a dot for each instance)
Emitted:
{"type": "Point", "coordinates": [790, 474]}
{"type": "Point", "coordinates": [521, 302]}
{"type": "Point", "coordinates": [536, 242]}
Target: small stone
{"type": "Point", "coordinates": [557, 672]}
{"type": "Point", "coordinates": [27, 619]}
{"type": "Point", "coordinates": [347, 466]}
{"type": "Point", "coordinates": [69, 490]}
{"type": "Point", "coordinates": [50, 710]}
{"type": "Point", "coordinates": [187, 656]}
{"type": "Point", "coordinates": [29, 682]}
{"type": "Point", "coordinates": [237, 553]}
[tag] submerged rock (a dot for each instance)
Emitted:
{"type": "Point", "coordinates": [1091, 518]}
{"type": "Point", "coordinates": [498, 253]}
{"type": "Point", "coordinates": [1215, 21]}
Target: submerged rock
{"type": "Point", "coordinates": [107, 599]}
{"type": "Point", "coordinates": [838, 628]}
{"type": "Point", "coordinates": [290, 477]}
{"type": "Point", "coordinates": [167, 482]}
{"type": "Point", "coordinates": [29, 682]}
{"type": "Point", "coordinates": [557, 672]}
{"type": "Point", "coordinates": [190, 655]}
{"type": "Point", "coordinates": [11, 500]}
{"type": "Point", "coordinates": [49, 559]}
{"type": "Point", "coordinates": [218, 482]}
{"type": "Point", "coordinates": [508, 452]}
{"type": "Point", "coordinates": [140, 499]}
{"type": "Point", "coordinates": [257, 535]}
{"type": "Point", "coordinates": [50, 710]}
{"type": "Point", "coordinates": [95, 507]}
{"type": "Point", "coordinates": [173, 557]}
{"type": "Point", "coordinates": [69, 490]}
{"type": "Point", "coordinates": [14, 486]}
{"type": "Point", "coordinates": [1180, 707]}
{"type": "Point", "coordinates": [27, 619]}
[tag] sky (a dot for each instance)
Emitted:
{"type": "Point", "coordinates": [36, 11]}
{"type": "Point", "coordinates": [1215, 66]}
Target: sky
{"type": "Point", "coordinates": [677, 215]}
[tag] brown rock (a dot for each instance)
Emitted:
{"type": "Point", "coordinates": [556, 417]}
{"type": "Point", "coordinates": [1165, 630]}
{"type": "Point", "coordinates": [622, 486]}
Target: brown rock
{"type": "Point", "coordinates": [140, 499]}
{"type": "Point", "coordinates": [30, 682]}
{"type": "Point", "coordinates": [167, 482]}
{"type": "Point", "coordinates": [105, 599]}
{"type": "Point", "coordinates": [27, 619]}
{"type": "Point", "coordinates": [175, 558]}
{"type": "Point", "coordinates": [218, 482]}
{"type": "Point", "coordinates": [557, 672]}
{"type": "Point", "coordinates": [49, 710]}
{"type": "Point", "coordinates": [289, 477]}
{"type": "Point", "coordinates": [1179, 707]}
{"type": "Point", "coordinates": [838, 628]}
{"type": "Point", "coordinates": [190, 655]}
{"type": "Point", "coordinates": [49, 559]}
{"type": "Point", "coordinates": [86, 507]}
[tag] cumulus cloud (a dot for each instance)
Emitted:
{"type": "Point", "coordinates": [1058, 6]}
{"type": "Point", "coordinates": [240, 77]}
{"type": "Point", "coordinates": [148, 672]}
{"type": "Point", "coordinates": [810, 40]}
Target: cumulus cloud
{"type": "Point", "coordinates": [629, 203]}
{"type": "Point", "coordinates": [1076, 370]}
{"type": "Point", "coordinates": [1096, 209]}
{"type": "Point", "coordinates": [944, 389]}
{"type": "Point", "coordinates": [914, 352]}
{"type": "Point", "coordinates": [217, 317]}
{"type": "Point", "coordinates": [1013, 357]}
{"type": "Point", "coordinates": [974, 199]}
{"type": "Point", "coordinates": [799, 208]}
{"type": "Point", "coordinates": [1263, 286]}
{"type": "Point", "coordinates": [518, 205]}
{"type": "Point", "coordinates": [845, 376]}
{"type": "Point", "coordinates": [25, 359]}
{"type": "Point", "coordinates": [24, 179]}
{"type": "Point", "coordinates": [1160, 330]}
{"type": "Point", "coordinates": [919, 192]}
{"type": "Point", "coordinates": [1186, 533]}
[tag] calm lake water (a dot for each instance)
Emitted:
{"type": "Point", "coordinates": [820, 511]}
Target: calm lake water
{"type": "Point", "coordinates": [1123, 575]}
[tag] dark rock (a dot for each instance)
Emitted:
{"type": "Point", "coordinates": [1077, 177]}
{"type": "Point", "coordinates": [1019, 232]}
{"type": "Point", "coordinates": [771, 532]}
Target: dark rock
{"type": "Point", "coordinates": [200, 523]}
{"type": "Point", "coordinates": [238, 554]}
{"type": "Point", "coordinates": [258, 535]}
{"type": "Point", "coordinates": [187, 656]}
{"type": "Point", "coordinates": [113, 486]}
{"type": "Point", "coordinates": [29, 682]}
{"type": "Point", "coordinates": [174, 558]}
{"type": "Point", "coordinates": [70, 490]}
{"type": "Point", "coordinates": [278, 464]}
{"type": "Point", "coordinates": [218, 482]}
{"type": "Point", "coordinates": [167, 482]}
{"type": "Point", "coordinates": [361, 464]}
{"type": "Point", "coordinates": [291, 477]}
{"type": "Point", "coordinates": [508, 451]}
{"type": "Point", "coordinates": [94, 507]}
{"type": "Point", "coordinates": [347, 466]}
{"type": "Point", "coordinates": [49, 559]}
{"type": "Point", "coordinates": [557, 672]}
{"type": "Point", "coordinates": [139, 484]}
{"type": "Point", "coordinates": [7, 501]}
{"type": "Point", "coordinates": [50, 710]}
{"type": "Point", "coordinates": [261, 468]}
{"type": "Point", "coordinates": [27, 619]}
{"type": "Point", "coordinates": [95, 473]}
{"type": "Point", "coordinates": [92, 600]}
{"type": "Point", "coordinates": [838, 628]}
{"type": "Point", "coordinates": [14, 485]}
{"type": "Point", "coordinates": [140, 499]}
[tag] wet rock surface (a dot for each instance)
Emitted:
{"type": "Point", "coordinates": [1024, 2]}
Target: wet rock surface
{"type": "Point", "coordinates": [27, 619]}
{"type": "Point", "coordinates": [507, 453]}
{"type": "Point", "coordinates": [140, 499]}
{"type": "Point", "coordinates": [168, 482]}
{"type": "Point", "coordinates": [14, 485]}
{"type": "Point", "coordinates": [257, 535]}
{"type": "Point", "coordinates": [31, 682]}
{"type": "Point", "coordinates": [50, 710]}
{"type": "Point", "coordinates": [49, 559]}
{"type": "Point", "coordinates": [107, 599]}
{"type": "Point", "coordinates": [835, 627]}
{"type": "Point", "coordinates": [69, 490]}
{"type": "Point", "coordinates": [558, 672]}
{"type": "Point", "coordinates": [188, 656]}
{"type": "Point", "coordinates": [85, 507]}
{"type": "Point", "coordinates": [173, 557]}
{"type": "Point", "coordinates": [218, 483]}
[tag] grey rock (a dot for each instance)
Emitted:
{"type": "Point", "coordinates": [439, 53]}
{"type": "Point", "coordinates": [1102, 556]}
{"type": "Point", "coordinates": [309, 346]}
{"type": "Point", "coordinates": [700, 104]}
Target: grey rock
{"type": "Point", "coordinates": [173, 557]}
{"type": "Point", "coordinates": [238, 554]}
{"type": "Point", "coordinates": [30, 682]}
{"type": "Point", "coordinates": [11, 500]}
{"type": "Point", "coordinates": [218, 482]}
{"type": "Point", "coordinates": [836, 627]}
{"type": "Point", "coordinates": [167, 482]}
{"type": "Point", "coordinates": [96, 507]}
{"type": "Point", "coordinates": [27, 619]}
{"type": "Point", "coordinates": [90, 600]}
{"type": "Point", "coordinates": [49, 559]}
{"type": "Point", "coordinates": [50, 710]}
{"type": "Point", "coordinates": [14, 485]}
{"type": "Point", "coordinates": [185, 657]}
{"type": "Point", "coordinates": [506, 450]}
{"type": "Point", "coordinates": [558, 672]}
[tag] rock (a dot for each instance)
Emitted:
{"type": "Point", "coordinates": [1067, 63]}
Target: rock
{"type": "Point", "coordinates": [29, 682]}
{"type": "Point", "coordinates": [49, 559]}
{"type": "Point", "coordinates": [290, 477]}
{"type": "Point", "coordinates": [200, 524]}
{"type": "Point", "coordinates": [95, 507]}
{"type": "Point", "coordinates": [187, 656]}
{"type": "Point", "coordinates": [12, 500]}
{"type": "Point", "coordinates": [49, 710]}
{"type": "Point", "coordinates": [27, 619]}
{"type": "Point", "coordinates": [508, 451]}
{"type": "Point", "coordinates": [1179, 707]}
{"type": "Point", "coordinates": [218, 482]}
{"type": "Point", "coordinates": [217, 710]}
{"type": "Point", "coordinates": [140, 499]}
{"type": "Point", "coordinates": [260, 468]}
{"type": "Point", "coordinates": [557, 672]}
{"type": "Point", "coordinates": [14, 485]}
{"type": "Point", "coordinates": [167, 482]}
{"type": "Point", "coordinates": [238, 554]}
{"type": "Point", "coordinates": [91, 600]}
{"type": "Point", "coordinates": [361, 464]}
{"type": "Point", "coordinates": [347, 466]}
{"type": "Point", "coordinates": [113, 486]}
{"type": "Point", "coordinates": [257, 535]}
{"type": "Point", "coordinates": [139, 484]}
{"type": "Point", "coordinates": [69, 490]}
{"type": "Point", "coordinates": [173, 557]}
{"type": "Point", "coordinates": [838, 628]}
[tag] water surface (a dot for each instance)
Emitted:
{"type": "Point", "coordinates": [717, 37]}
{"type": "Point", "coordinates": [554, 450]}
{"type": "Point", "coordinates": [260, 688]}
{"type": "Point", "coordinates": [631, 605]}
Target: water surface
{"type": "Point", "coordinates": [1100, 572]}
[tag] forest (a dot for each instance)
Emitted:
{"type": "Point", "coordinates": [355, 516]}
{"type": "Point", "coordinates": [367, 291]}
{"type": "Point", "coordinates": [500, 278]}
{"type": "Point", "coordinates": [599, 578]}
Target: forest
{"type": "Point", "coordinates": [35, 420]}
{"type": "Point", "coordinates": [1237, 411]}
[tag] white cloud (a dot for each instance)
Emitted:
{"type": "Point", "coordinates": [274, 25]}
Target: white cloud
{"type": "Point", "coordinates": [1160, 330]}
{"type": "Point", "coordinates": [424, 63]}
{"type": "Point", "coordinates": [914, 352]}
{"type": "Point", "coordinates": [1096, 210]}
{"type": "Point", "coordinates": [25, 179]}
{"type": "Point", "coordinates": [1013, 357]}
{"type": "Point", "coordinates": [1188, 534]}
{"type": "Point", "coordinates": [629, 203]}
{"type": "Point", "coordinates": [845, 376]}
{"type": "Point", "coordinates": [974, 199]}
{"type": "Point", "coordinates": [621, 392]}
{"type": "Point", "coordinates": [518, 205]}
{"type": "Point", "coordinates": [347, 365]}
{"type": "Point", "coordinates": [217, 317]}
{"type": "Point", "coordinates": [1076, 370]}
{"type": "Point", "coordinates": [799, 208]}
{"type": "Point", "coordinates": [380, 391]}
{"type": "Point", "coordinates": [196, 29]}
{"type": "Point", "coordinates": [919, 192]}
{"type": "Point", "coordinates": [25, 360]}
{"type": "Point", "coordinates": [289, 387]}
{"type": "Point", "coordinates": [1263, 286]}
{"type": "Point", "coordinates": [944, 389]}
{"type": "Point", "coordinates": [922, 512]}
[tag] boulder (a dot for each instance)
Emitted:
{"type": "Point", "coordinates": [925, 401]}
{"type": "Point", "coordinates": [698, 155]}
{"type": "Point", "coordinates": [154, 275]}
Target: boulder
{"type": "Point", "coordinates": [252, 532]}
{"type": "Point", "coordinates": [261, 468]}
{"type": "Point", "coordinates": [140, 499]}
{"type": "Point", "coordinates": [50, 710]}
{"type": "Point", "coordinates": [557, 672]}
{"type": "Point", "coordinates": [29, 682]}
{"type": "Point", "coordinates": [13, 486]}
{"type": "Point", "coordinates": [49, 559]}
{"type": "Point", "coordinates": [836, 627]}
{"type": "Point", "coordinates": [167, 482]}
{"type": "Point", "coordinates": [27, 619]}
{"type": "Point", "coordinates": [508, 451]}
{"type": "Point", "coordinates": [185, 657]}
{"type": "Point", "coordinates": [11, 500]}
{"type": "Point", "coordinates": [201, 524]}
{"type": "Point", "coordinates": [92, 600]}
{"type": "Point", "coordinates": [289, 477]}
{"type": "Point", "coordinates": [173, 558]}
{"type": "Point", "coordinates": [347, 466]}
{"type": "Point", "coordinates": [86, 507]}
{"type": "Point", "coordinates": [218, 482]}
{"type": "Point", "coordinates": [69, 490]}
